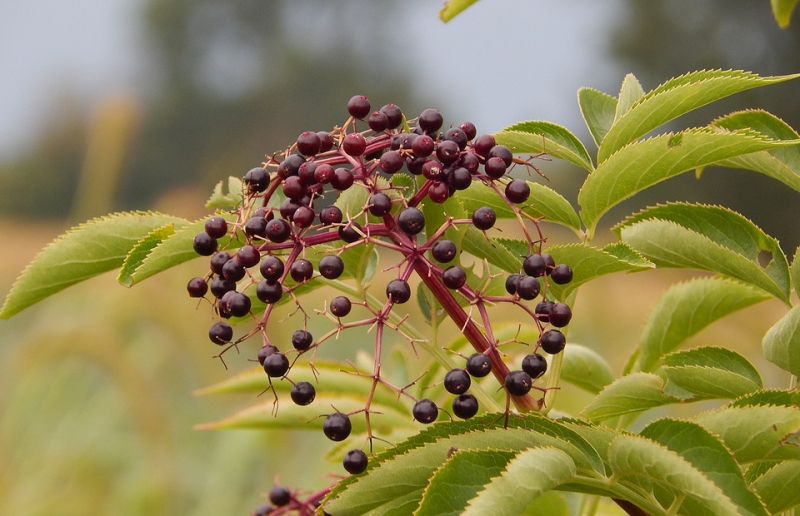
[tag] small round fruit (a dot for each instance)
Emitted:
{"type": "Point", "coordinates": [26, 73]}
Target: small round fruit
{"type": "Point", "coordinates": [518, 383]}
{"type": "Point", "coordinates": [518, 191]}
{"type": "Point", "coordinates": [303, 393]}
{"type": "Point", "coordinates": [354, 144]}
{"type": "Point", "coordinates": [543, 310]}
{"type": "Point", "coordinates": [457, 135]}
{"type": "Point", "coordinates": [331, 266]}
{"type": "Point", "coordinates": [495, 167]}
{"type": "Point", "coordinates": [454, 277]}
{"type": "Point", "coordinates": [430, 120]}
{"type": "Point", "coordinates": [398, 291]}
{"type": "Point", "coordinates": [290, 166]}
{"type": "Point", "coordinates": [256, 179]}
{"type": "Point", "coordinates": [457, 381]}
{"type": "Point", "coordinates": [308, 143]}
{"type": "Point", "coordinates": [549, 263]}
{"type": "Point", "coordinates": [280, 496]}
{"type": "Point", "coordinates": [351, 232]}
{"type": "Point", "coordinates": [255, 226]}
{"type": "Point", "coordinates": [534, 364]}
{"type": "Point", "coordinates": [206, 245]}
{"type": "Point", "coordinates": [355, 461]}
{"type": "Point", "coordinates": [561, 274]}
{"type": "Point", "coordinates": [216, 227]}
{"type": "Point", "coordinates": [479, 365]}
{"type": "Point", "coordinates": [325, 141]}
{"type": "Point", "coordinates": [552, 341]}
{"type": "Point", "coordinates": [220, 333]}
{"type": "Point", "coordinates": [391, 161]}
{"type": "Point", "coordinates": [302, 340]}
{"type": "Point", "coordinates": [528, 287]}
{"type": "Point", "coordinates": [263, 510]}
{"type": "Point", "coordinates": [534, 265]}
{"type": "Point", "coordinates": [303, 217]}
{"type": "Point", "coordinates": [265, 351]}
{"type": "Point", "coordinates": [438, 191]}
{"type": "Point", "coordinates": [248, 255]}
{"type": "Point", "coordinates": [278, 230]}
{"type": "Point", "coordinates": [502, 152]}
{"type": "Point", "coordinates": [237, 304]}
{"type": "Point", "coordinates": [337, 426]}
{"type": "Point", "coordinates": [512, 282]}
{"type": "Point", "coordinates": [447, 151]}
{"type": "Point", "coordinates": [560, 315]}
{"type": "Point", "coordinates": [484, 218]}
{"type": "Point", "coordinates": [220, 286]}
{"type": "Point", "coordinates": [358, 106]}
{"type": "Point", "coordinates": [394, 115]}
{"type": "Point", "coordinates": [379, 204]}
{"type": "Point", "coordinates": [425, 411]}
{"type": "Point", "coordinates": [276, 365]}
{"type": "Point", "coordinates": [340, 306]}
{"type": "Point", "coordinates": [465, 406]}
{"type": "Point", "coordinates": [483, 144]}
{"type": "Point", "coordinates": [423, 146]}
{"type": "Point", "coordinates": [411, 221]}
{"type": "Point", "coordinates": [269, 292]}
{"type": "Point", "coordinates": [197, 287]}
{"type": "Point", "coordinates": [271, 268]}
{"type": "Point", "coordinates": [378, 122]}
{"type": "Point", "coordinates": [443, 251]}
{"type": "Point", "coordinates": [330, 215]}
{"type": "Point", "coordinates": [301, 270]}
{"type": "Point", "coordinates": [233, 270]}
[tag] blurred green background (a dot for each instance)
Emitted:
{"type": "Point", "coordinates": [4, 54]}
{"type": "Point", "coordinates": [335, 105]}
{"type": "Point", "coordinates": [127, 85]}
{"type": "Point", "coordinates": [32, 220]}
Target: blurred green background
{"type": "Point", "coordinates": [146, 104]}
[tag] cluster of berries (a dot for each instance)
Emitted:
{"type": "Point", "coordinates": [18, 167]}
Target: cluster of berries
{"type": "Point", "coordinates": [263, 251]}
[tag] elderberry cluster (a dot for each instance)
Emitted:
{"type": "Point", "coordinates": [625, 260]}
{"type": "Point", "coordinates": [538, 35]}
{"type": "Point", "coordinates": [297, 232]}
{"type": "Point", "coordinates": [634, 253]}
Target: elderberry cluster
{"type": "Point", "coordinates": [289, 230]}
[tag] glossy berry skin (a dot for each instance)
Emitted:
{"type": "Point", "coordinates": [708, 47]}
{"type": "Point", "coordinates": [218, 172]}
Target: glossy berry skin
{"type": "Point", "coordinates": [220, 333]}
{"type": "Point", "coordinates": [528, 287]}
{"type": "Point", "coordinates": [340, 306]}
{"type": "Point", "coordinates": [342, 179]}
{"type": "Point", "coordinates": [484, 218]}
{"type": "Point", "coordinates": [543, 310]}
{"type": "Point", "coordinates": [438, 191]}
{"type": "Point", "coordinates": [534, 265]}
{"type": "Point", "coordinates": [330, 215]}
{"type": "Point", "coordinates": [278, 230]}
{"type": "Point", "coordinates": [351, 232]}
{"type": "Point", "coordinates": [303, 217]}
{"type": "Point", "coordinates": [549, 263]}
{"type": "Point", "coordinates": [248, 255]}
{"type": "Point", "coordinates": [337, 426]}
{"type": "Point", "coordinates": [456, 135]}
{"type": "Point", "coordinates": [301, 270]}
{"type": "Point", "coordinates": [233, 270]}
{"type": "Point", "coordinates": [204, 245]}
{"type": "Point", "coordinates": [394, 115]}
{"type": "Point", "coordinates": [358, 106]}
{"type": "Point", "coordinates": [552, 341]}
{"type": "Point", "coordinates": [512, 282]}
{"type": "Point", "coordinates": [354, 144]}
{"type": "Point", "coordinates": [483, 144]}
{"type": "Point", "coordinates": [308, 143]}
{"type": "Point", "coordinates": [236, 304]}
{"type": "Point", "coordinates": [355, 461]}
{"type": "Point", "coordinates": [325, 141]}
{"type": "Point", "coordinates": [495, 167]}
{"type": "Point", "coordinates": [457, 381]}
{"type": "Point", "coordinates": [377, 121]}
{"type": "Point", "coordinates": [502, 152]}
{"type": "Point", "coordinates": [447, 151]}
{"type": "Point", "coordinates": [561, 274]}
{"type": "Point", "coordinates": [265, 351]}
{"type": "Point", "coordinates": [290, 166]}
{"type": "Point", "coordinates": [454, 277]}
{"type": "Point", "coordinates": [560, 315]}
{"type": "Point", "coordinates": [469, 130]}
{"type": "Point", "coordinates": [411, 221]}
{"type": "Point", "coordinates": [276, 365]}
{"type": "Point", "coordinates": [218, 261]}
{"type": "Point", "coordinates": [302, 340]}
{"type": "Point", "coordinates": [331, 266]}
{"type": "Point", "coordinates": [255, 226]}
{"type": "Point", "coordinates": [443, 251]}
{"type": "Point", "coordinates": [271, 268]}
{"type": "Point", "coordinates": [518, 191]}
{"type": "Point", "coordinates": [269, 292]}
{"type": "Point", "coordinates": [257, 180]}
{"type": "Point", "coordinates": [220, 286]}
{"type": "Point", "coordinates": [391, 162]}
{"type": "Point", "coordinates": [425, 411]}
{"type": "Point", "coordinates": [398, 291]}
{"type": "Point", "coordinates": [379, 204]}
{"type": "Point", "coordinates": [430, 120]}
{"type": "Point", "coordinates": [518, 383]}
{"type": "Point", "coordinates": [280, 496]}
{"type": "Point", "coordinates": [534, 364]}
{"type": "Point", "coordinates": [465, 406]}
{"type": "Point", "coordinates": [423, 146]}
{"type": "Point", "coordinates": [197, 287]}
{"type": "Point", "coordinates": [303, 393]}
{"type": "Point", "coordinates": [479, 365]}
{"type": "Point", "coordinates": [216, 227]}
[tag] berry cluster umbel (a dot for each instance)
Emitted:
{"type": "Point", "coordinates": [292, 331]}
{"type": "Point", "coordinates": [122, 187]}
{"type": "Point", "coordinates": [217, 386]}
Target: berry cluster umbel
{"type": "Point", "coordinates": [288, 218]}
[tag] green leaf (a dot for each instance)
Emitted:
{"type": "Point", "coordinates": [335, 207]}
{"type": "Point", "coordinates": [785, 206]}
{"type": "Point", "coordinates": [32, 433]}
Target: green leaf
{"type": "Point", "coordinates": [781, 344]}
{"type": "Point", "coordinates": [712, 372]}
{"type": "Point", "coordinates": [756, 433]}
{"type": "Point", "coordinates": [708, 455]}
{"type": "Point", "coordinates": [687, 308]}
{"type": "Point", "coordinates": [642, 164]}
{"type": "Point", "coordinates": [768, 397]}
{"type": "Point", "coordinates": [651, 465]}
{"type": "Point", "coordinates": [795, 271]}
{"type": "Point", "coordinates": [779, 487]}
{"type": "Point", "coordinates": [598, 110]}
{"type": "Point", "coordinates": [782, 10]}
{"type": "Point", "coordinates": [88, 250]}
{"type": "Point", "coordinates": [476, 243]}
{"type": "Point", "coordinates": [460, 478]}
{"type": "Point", "coordinates": [630, 92]}
{"type": "Point", "coordinates": [140, 251]}
{"type": "Point", "coordinates": [529, 475]}
{"type": "Point", "coordinates": [627, 395]}
{"type": "Point", "coordinates": [588, 263]}
{"type": "Point", "coordinates": [585, 368]}
{"type": "Point", "coordinates": [536, 136]}
{"type": "Point", "coordinates": [674, 98]}
{"type": "Point", "coordinates": [454, 7]}
{"type": "Point", "coordinates": [231, 199]}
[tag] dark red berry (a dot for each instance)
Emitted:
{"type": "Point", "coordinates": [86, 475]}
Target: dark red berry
{"type": "Point", "coordinates": [479, 365]}
{"type": "Point", "coordinates": [502, 152]}
{"type": "Point", "coordinates": [534, 364]}
{"type": "Point", "coordinates": [276, 365]}
{"type": "Point", "coordinates": [423, 146]}
{"type": "Point", "coordinates": [432, 169]}
{"type": "Point", "coordinates": [355, 461]}
{"type": "Point", "coordinates": [303, 393]}
{"type": "Point", "coordinates": [454, 277]}
{"type": "Point", "coordinates": [438, 191]}
{"type": "Point", "coordinates": [301, 270]}
{"type": "Point", "coordinates": [216, 227]}
{"type": "Point", "coordinates": [248, 255]}
{"type": "Point", "coordinates": [394, 115]}
{"type": "Point", "coordinates": [518, 383]}
{"type": "Point", "coordinates": [351, 232]}
{"type": "Point", "coordinates": [269, 292]}
{"type": "Point", "coordinates": [337, 426]}
{"type": "Point", "coordinates": [469, 161]}
{"type": "Point", "coordinates": [342, 179]}
{"type": "Point", "coordinates": [303, 217]}
{"type": "Point", "coordinates": [330, 215]}
{"type": "Point", "coordinates": [271, 268]}
{"type": "Point", "coordinates": [511, 283]}
{"type": "Point", "coordinates": [220, 286]}
{"type": "Point", "coordinates": [528, 287]}
{"type": "Point", "coordinates": [233, 270]}
{"type": "Point", "coordinates": [255, 226]}
{"type": "Point", "coordinates": [398, 291]}
{"type": "Point", "coordinates": [288, 207]}
{"type": "Point", "coordinates": [236, 303]}
{"type": "Point", "coordinates": [302, 340]}
{"type": "Point", "coordinates": [204, 245]}
{"type": "Point", "coordinates": [378, 121]}
{"type": "Point", "coordinates": [457, 135]}
{"type": "Point", "coordinates": [483, 144]}
{"type": "Point", "coordinates": [425, 411]}
{"type": "Point", "coordinates": [354, 144]}
{"type": "Point", "coordinates": [495, 167]}
{"type": "Point", "coordinates": [447, 151]}
{"type": "Point", "coordinates": [325, 141]}
{"type": "Point", "coordinates": [484, 218]}
{"type": "Point", "coordinates": [331, 266]}
{"type": "Point", "coordinates": [293, 188]}
{"type": "Point", "coordinates": [552, 341]}
{"type": "Point", "coordinates": [308, 143]}
{"type": "Point", "coordinates": [459, 178]}
{"type": "Point", "coordinates": [430, 120]}
{"type": "Point", "coordinates": [278, 230]}
{"type": "Point", "coordinates": [465, 406]}
{"type": "Point", "coordinates": [414, 165]}
{"type": "Point", "coordinates": [534, 265]}
{"type": "Point", "coordinates": [340, 306]}
{"type": "Point", "coordinates": [197, 287]}
{"type": "Point", "coordinates": [256, 180]}
{"type": "Point", "coordinates": [358, 106]}
{"type": "Point", "coordinates": [280, 496]}
{"type": "Point", "coordinates": [290, 166]}
{"type": "Point", "coordinates": [560, 315]}
{"type": "Point", "coordinates": [469, 130]}
{"type": "Point", "coordinates": [220, 333]}
{"type": "Point", "coordinates": [457, 381]}
{"type": "Point", "coordinates": [443, 251]}
{"type": "Point", "coordinates": [518, 191]}
{"type": "Point", "coordinates": [323, 173]}
{"type": "Point", "coordinates": [379, 204]}
{"type": "Point", "coordinates": [561, 274]}
{"type": "Point", "coordinates": [411, 221]}
{"type": "Point", "coordinates": [391, 161]}
{"type": "Point", "coordinates": [265, 351]}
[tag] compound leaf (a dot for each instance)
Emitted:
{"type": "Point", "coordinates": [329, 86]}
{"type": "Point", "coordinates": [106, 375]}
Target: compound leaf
{"type": "Point", "coordinates": [779, 487]}
{"type": "Point", "coordinates": [712, 372]}
{"type": "Point", "coordinates": [598, 110]}
{"type": "Point", "coordinates": [627, 395]}
{"type": "Point", "coordinates": [537, 136]}
{"type": "Point", "coordinates": [143, 248]}
{"type": "Point", "coordinates": [781, 344]}
{"type": "Point", "coordinates": [585, 368]}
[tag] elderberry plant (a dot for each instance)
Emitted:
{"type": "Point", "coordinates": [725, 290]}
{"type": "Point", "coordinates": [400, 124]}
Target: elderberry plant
{"type": "Point", "coordinates": [335, 235]}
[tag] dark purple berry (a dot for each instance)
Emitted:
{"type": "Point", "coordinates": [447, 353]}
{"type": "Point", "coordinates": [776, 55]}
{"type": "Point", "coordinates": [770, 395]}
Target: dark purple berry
{"type": "Point", "coordinates": [263, 510]}
{"type": "Point", "coordinates": [204, 245]}
{"type": "Point", "coordinates": [379, 204]}
{"type": "Point", "coordinates": [331, 266]}
{"type": "Point", "coordinates": [293, 188]}
{"type": "Point", "coordinates": [308, 143]}
{"type": "Point", "coordinates": [197, 287]}
{"type": "Point", "coordinates": [425, 411]}
{"type": "Point", "coordinates": [378, 121]}
{"type": "Point", "coordinates": [303, 217]}
{"type": "Point", "coordinates": [354, 144]}
{"type": "Point", "coordinates": [340, 306]}
{"type": "Point", "coordinates": [398, 291]}
{"type": "Point", "coordinates": [276, 365]}
{"type": "Point", "coordinates": [325, 141]}
{"type": "Point", "coordinates": [430, 120]}
{"type": "Point", "coordinates": [469, 130]}
{"type": "Point", "coordinates": [518, 191]}
{"type": "Point", "coordinates": [233, 270]}
{"type": "Point", "coordinates": [457, 381]}
{"type": "Point", "coordinates": [479, 365]}
{"type": "Point", "coordinates": [457, 135]}
{"type": "Point", "coordinates": [454, 277]}
{"type": "Point", "coordinates": [465, 406]}
{"type": "Point", "coordinates": [511, 283]}
{"type": "Point", "coordinates": [278, 230]}
{"type": "Point", "coordinates": [502, 152]}
{"type": "Point", "coordinates": [255, 226]}
{"type": "Point", "coordinates": [518, 383]}
{"type": "Point", "coordinates": [495, 167]}
{"type": "Point", "coordinates": [303, 393]}
{"type": "Point", "coordinates": [423, 146]}
{"type": "Point", "coordinates": [323, 174]}
{"type": "Point", "coordinates": [342, 179]}
{"type": "Point", "coordinates": [288, 207]}
{"type": "Point", "coordinates": [443, 251]}
{"type": "Point", "coordinates": [411, 221]}
{"type": "Point", "coordinates": [265, 351]}
{"type": "Point", "coordinates": [447, 151]}
{"type": "Point", "coordinates": [269, 292]}
{"type": "Point", "coordinates": [351, 232]}
{"type": "Point", "coordinates": [543, 310]}
{"type": "Point", "coordinates": [355, 461]}
{"type": "Point", "coordinates": [414, 165]}
{"type": "Point", "coordinates": [433, 170]}
{"type": "Point", "coordinates": [484, 218]}
{"type": "Point", "coordinates": [280, 496]}
{"type": "Point", "coordinates": [302, 340]}
{"type": "Point", "coordinates": [534, 364]}
{"type": "Point", "coordinates": [358, 106]}
{"type": "Point", "coordinates": [393, 114]}
{"type": "Point", "coordinates": [438, 191]}
{"type": "Point", "coordinates": [220, 286]}
{"type": "Point", "coordinates": [469, 161]}
{"type": "Point", "coordinates": [290, 166]}
{"type": "Point", "coordinates": [330, 215]}
{"type": "Point", "coordinates": [528, 287]}
{"type": "Point", "coordinates": [301, 270]}
{"type": "Point", "coordinates": [459, 178]}
{"type": "Point", "coordinates": [534, 265]}
{"type": "Point", "coordinates": [549, 263]}
{"type": "Point", "coordinates": [337, 426]}
{"type": "Point", "coordinates": [271, 268]}
{"type": "Point", "coordinates": [561, 274]}
{"type": "Point", "coordinates": [483, 144]}
{"type": "Point", "coordinates": [560, 315]}
{"type": "Point", "coordinates": [391, 161]}
{"type": "Point", "coordinates": [216, 227]}
{"type": "Point", "coordinates": [248, 255]}
{"type": "Point", "coordinates": [220, 333]}
{"type": "Point", "coordinates": [257, 180]}
{"type": "Point", "coordinates": [236, 303]}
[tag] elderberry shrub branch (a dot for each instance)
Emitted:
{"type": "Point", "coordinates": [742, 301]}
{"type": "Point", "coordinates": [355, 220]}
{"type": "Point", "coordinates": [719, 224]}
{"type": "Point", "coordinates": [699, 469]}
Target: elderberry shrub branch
{"type": "Point", "coordinates": [288, 212]}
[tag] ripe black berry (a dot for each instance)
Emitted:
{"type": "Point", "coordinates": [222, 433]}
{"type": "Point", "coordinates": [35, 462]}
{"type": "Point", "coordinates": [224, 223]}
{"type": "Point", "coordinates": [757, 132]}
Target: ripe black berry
{"type": "Point", "coordinates": [303, 393]}
{"type": "Point", "coordinates": [479, 365]}
{"type": "Point", "coordinates": [269, 292]}
{"type": "Point", "coordinates": [495, 167]}
{"type": "Point", "coordinates": [443, 251]}
{"type": "Point", "coordinates": [276, 365]}
{"type": "Point", "coordinates": [330, 215]}
{"type": "Point", "coordinates": [518, 383]}
{"type": "Point", "coordinates": [308, 143]}
{"type": "Point", "coordinates": [423, 146]}
{"type": "Point", "coordinates": [290, 166]}
{"type": "Point", "coordinates": [512, 282]}
{"type": "Point", "coordinates": [469, 130]}
{"type": "Point", "coordinates": [549, 263]}
{"type": "Point", "coordinates": [303, 217]}
{"type": "Point", "coordinates": [216, 227]}
{"type": "Point", "coordinates": [425, 411]}
{"type": "Point", "coordinates": [331, 266]}
{"type": "Point", "coordinates": [325, 141]}
{"type": "Point", "coordinates": [219, 286]}
{"type": "Point", "coordinates": [534, 364]}
{"type": "Point", "coordinates": [236, 303]}
{"type": "Point", "coordinates": [265, 351]}
{"type": "Point", "coordinates": [278, 230]}
{"type": "Point", "coordinates": [323, 174]}
{"type": "Point", "coordinates": [391, 161]}
{"type": "Point", "coordinates": [552, 341]}
{"type": "Point", "coordinates": [454, 277]}
{"type": "Point", "coordinates": [414, 165]}
{"type": "Point", "coordinates": [271, 268]}
{"type": "Point", "coordinates": [457, 381]}
{"type": "Point", "coordinates": [459, 178]}
{"type": "Point", "coordinates": [248, 255]}
{"type": "Point", "coordinates": [358, 106]}
{"type": "Point", "coordinates": [293, 188]}
{"type": "Point", "coordinates": [280, 496]}
{"type": "Point", "coordinates": [534, 265]}
{"type": "Point", "coordinates": [456, 135]}
{"type": "Point", "coordinates": [302, 340]}
{"type": "Point", "coordinates": [220, 333]}
{"type": "Point", "coordinates": [218, 261]}
{"type": "Point", "coordinates": [379, 204]}
{"type": "Point", "coordinates": [288, 207]}
{"type": "Point", "coordinates": [438, 191]}
{"type": "Point", "coordinates": [342, 179]}
{"type": "Point", "coordinates": [432, 169]}
{"type": "Point", "coordinates": [204, 245]}
{"type": "Point", "coordinates": [411, 221]}
{"type": "Point", "coordinates": [197, 287]}
{"type": "Point", "coordinates": [337, 426]}
{"type": "Point", "coordinates": [518, 191]}
{"type": "Point", "coordinates": [561, 274]}
{"type": "Point", "coordinates": [378, 121]}
{"type": "Point", "coordinates": [447, 151]}
{"type": "Point", "coordinates": [465, 406]}
{"type": "Point", "coordinates": [469, 161]}
{"type": "Point", "coordinates": [528, 287]}
{"type": "Point", "coordinates": [263, 510]}
{"type": "Point", "coordinates": [255, 226]}
{"type": "Point", "coordinates": [355, 461]}
{"type": "Point", "coordinates": [560, 315]}
{"type": "Point", "coordinates": [350, 232]}
{"type": "Point", "coordinates": [483, 144]}
{"type": "Point", "coordinates": [430, 120]}
{"type": "Point", "coordinates": [393, 114]}
{"type": "Point", "coordinates": [340, 306]}
{"type": "Point", "coordinates": [354, 144]}
{"type": "Point", "coordinates": [502, 152]}
{"type": "Point", "coordinates": [484, 218]}
{"type": "Point", "coordinates": [543, 310]}
{"type": "Point", "coordinates": [301, 270]}
{"type": "Point", "coordinates": [398, 291]}
{"type": "Point", "coordinates": [233, 270]}
{"type": "Point", "coordinates": [256, 179]}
